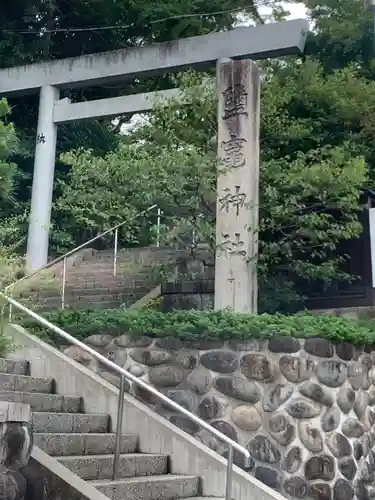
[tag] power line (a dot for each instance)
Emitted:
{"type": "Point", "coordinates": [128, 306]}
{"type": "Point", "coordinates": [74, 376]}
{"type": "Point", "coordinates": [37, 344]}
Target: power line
{"type": "Point", "coordinates": [126, 26]}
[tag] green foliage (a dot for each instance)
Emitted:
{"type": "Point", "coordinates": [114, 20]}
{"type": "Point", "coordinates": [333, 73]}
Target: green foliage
{"type": "Point", "coordinates": [310, 186]}
{"type": "Point", "coordinates": [200, 325]}
{"type": "Point", "coordinates": [9, 236]}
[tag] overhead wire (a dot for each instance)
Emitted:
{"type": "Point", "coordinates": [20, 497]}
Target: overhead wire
{"type": "Point", "coordinates": [126, 26]}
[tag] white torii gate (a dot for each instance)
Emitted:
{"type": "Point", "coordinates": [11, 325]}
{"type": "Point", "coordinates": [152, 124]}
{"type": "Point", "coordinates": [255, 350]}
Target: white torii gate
{"type": "Point", "coordinates": [201, 52]}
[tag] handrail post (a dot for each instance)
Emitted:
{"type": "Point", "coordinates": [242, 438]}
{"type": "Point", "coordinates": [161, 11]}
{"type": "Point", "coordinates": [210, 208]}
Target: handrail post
{"type": "Point", "coordinates": [63, 284]}
{"type": "Point", "coordinates": [120, 412]}
{"type": "Point", "coordinates": [10, 306]}
{"type": "Point", "coordinates": [2, 318]}
{"type": "Point", "coordinates": [228, 486]}
{"type": "Point", "coordinates": [115, 253]}
{"type": "Point", "coordinates": [158, 229]}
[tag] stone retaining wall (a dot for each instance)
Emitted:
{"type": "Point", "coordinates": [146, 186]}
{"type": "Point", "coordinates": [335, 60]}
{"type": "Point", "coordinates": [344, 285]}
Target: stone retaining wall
{"type": "Point", "coordinates": [305, 409]}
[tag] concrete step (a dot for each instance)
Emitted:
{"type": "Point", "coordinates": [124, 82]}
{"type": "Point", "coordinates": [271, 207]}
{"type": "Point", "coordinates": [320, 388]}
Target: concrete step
{"type": "Point", "coordinates": [15, 367]}
{"type": "Point", "coordinates": [44, 402]}
{"type": "Point", "coordinates": [101, 466]}
{"type": "Point", "coordinates": [60, 445]}
{"type": "Point", "coordinates": [25, 383]}
{"type": "Point", "coordinates": [166, 487]}
{"type": "Point", "coordinates": [82, 423]}
{"type": "Point", "coordinates": [204, 498]}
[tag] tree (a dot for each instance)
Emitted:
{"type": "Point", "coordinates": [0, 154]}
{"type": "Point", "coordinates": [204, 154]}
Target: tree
{"type": "Point", "coordinates": [8, 170]}
{"type": "Point", "coordinates": [32, 31]}
{"type": "Point", "coordinates": [309, 188]}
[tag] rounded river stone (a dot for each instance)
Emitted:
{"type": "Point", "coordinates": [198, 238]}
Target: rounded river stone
{"type": "Point", "coordinates": [276, 396]}
{"type": "Point", "coordinates": [310, 437]}
{"type": "Point", "coordinates": [319, 347]}
{"type": "Point", "coordinates": [258, 367]}
{"type": "Point", "coordinates": [296, 369]}
{"type": "Point", "coordinates": [282, 429]}
{"type": "Point", "coordinates": [244, 345]}
{"type": "Point", "coordinates": [342, 490]}
{"type": "Point", "coordinates": [204, 345]}
{"type": "Point", "coordinates": [357, 450]}
{"type": "Point", "coordinates": [352, 428]}
{"type": "Point", "coordinates": [320, 467]}
{"type": "Point", "coordinates": [268, 476]}
{"type": "Point", "coordinates": [184, 423]}
{"type": "Point", "coordinates": [331, 373]}
{"type": "Point", "coordinates": [168, 343]}
{"type": "Point", "coordinates": [220, 361]}
{"type": "Point", "coordinates": [149, 357]}
{"type": "Point", "coordinates": [185, 398]}
{"type": "Point", "coordinates": [263, 450]}
{"type": "Point", "coordinates": [285, 344]}
{"type": "Point", "coordinates": [226, 429]}
{"type": "Point", "coordinates": [165, 376]}
{"type": "Point", "coordinates": [316, 392]}
{"type": "Point", "coordinates": [247, 418]}
{"type": "Point", "coordinates": [114, 354]}
{"type": "Point", "coordinates": [361, 403]}
{"type": "Point", "coordinates": [126, 340]}
{"type": "Point", "coordinates": [331, 419]}
{"type": "Point", "coordinates": [345, 351]}
{"type": "Point", "coordinates": [145, 395]}
{"type": "Point", "coordinates": [296, 487]}
{"type": "Point", "coordinates": [78, 354]}
{"type": "Point", "coordinates": [320, 491]}
{"type": "Point", "coordinates": [114, 379]}
{"type": "Point", "coordinates": [371, 417]}
{"type": "Point", "coordinates": [356, 375]}
{"type": "Point", "coordinates": [200, 380]}
{"type": "Point", "coordinates": [301, 408]}
{"type": "Point", "coordinates": [338, 445]}
{"type": "Point", "coordinates": [345, 399]}
{"type": "Point", "coordinates": [98, 340]}
{"type": "Point", "coordinates": [292, 460]}
{"type": "Point", "coordinates": [238, 388]}
{"type": "Point", "coordinates": [136, 370]}
{"type": "Point", "coordinates": [348, 468]}
{"type": "Point", "coordinates": [186, 359]}
{"type": "Point", "coordinates": [366, 444]}
{"type": "Point", "coordinates": [371, 396]}
{"type": "Point", "coordinates": [212, 407]}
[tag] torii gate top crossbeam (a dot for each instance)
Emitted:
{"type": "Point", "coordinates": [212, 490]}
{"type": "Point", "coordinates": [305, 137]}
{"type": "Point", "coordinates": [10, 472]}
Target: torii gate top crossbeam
{"type": "Point", "coordinates": [260, 42]}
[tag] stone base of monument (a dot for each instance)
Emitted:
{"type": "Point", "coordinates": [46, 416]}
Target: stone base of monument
{"type": "Point", "coordinates": [16, 443]}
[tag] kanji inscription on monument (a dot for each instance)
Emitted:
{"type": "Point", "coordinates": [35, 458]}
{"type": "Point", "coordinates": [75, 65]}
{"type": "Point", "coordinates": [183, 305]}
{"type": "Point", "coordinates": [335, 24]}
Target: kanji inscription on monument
{"type": "Point", "coordinates": [237, 186]}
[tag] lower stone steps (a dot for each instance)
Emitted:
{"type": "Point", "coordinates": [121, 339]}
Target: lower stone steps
{"type": "Point", "coordinates": [84, 444]}
{"type": "Point", "coordinates": [130, 465]}
{"type": "Point", "coordinates": [70, 422]}
{"type": "Point", "coordinates": [87, 444]}
{"type": "Point", "coordinates": [44, 402]}
{"type": "Point", "coordinates": [166, 487]}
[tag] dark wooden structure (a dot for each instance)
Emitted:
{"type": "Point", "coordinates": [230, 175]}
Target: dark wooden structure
{"type": "Point", "coordinates": [360, 291]}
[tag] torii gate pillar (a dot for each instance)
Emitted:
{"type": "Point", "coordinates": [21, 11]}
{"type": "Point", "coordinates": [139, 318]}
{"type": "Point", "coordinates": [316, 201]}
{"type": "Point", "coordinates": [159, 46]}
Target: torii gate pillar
{"type": "Point", "coordinates": [44, 170]}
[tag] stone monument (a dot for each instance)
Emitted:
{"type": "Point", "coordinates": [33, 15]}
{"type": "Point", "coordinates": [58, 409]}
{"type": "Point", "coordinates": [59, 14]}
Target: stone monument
{"type": "Point", "coordinates": [236, 283]}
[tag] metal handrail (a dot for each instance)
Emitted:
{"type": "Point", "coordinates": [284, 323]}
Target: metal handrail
{"type": "Point", "coordinates": [73, 251]}
{"type": "Point", "coordinates": [124, 374]}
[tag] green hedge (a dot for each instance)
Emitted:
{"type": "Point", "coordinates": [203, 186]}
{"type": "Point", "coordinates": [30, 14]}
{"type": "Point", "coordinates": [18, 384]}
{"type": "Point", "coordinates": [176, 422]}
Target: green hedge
{"type": "Point", "coordinates": [190, 325]}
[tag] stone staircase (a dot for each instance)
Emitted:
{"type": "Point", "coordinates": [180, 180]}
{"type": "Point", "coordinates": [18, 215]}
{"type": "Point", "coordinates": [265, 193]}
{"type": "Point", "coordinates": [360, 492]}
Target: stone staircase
{"type": "Point", "coordinates": [90, 281]}
{"type": "Point", "coordinates": [84, 443]}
